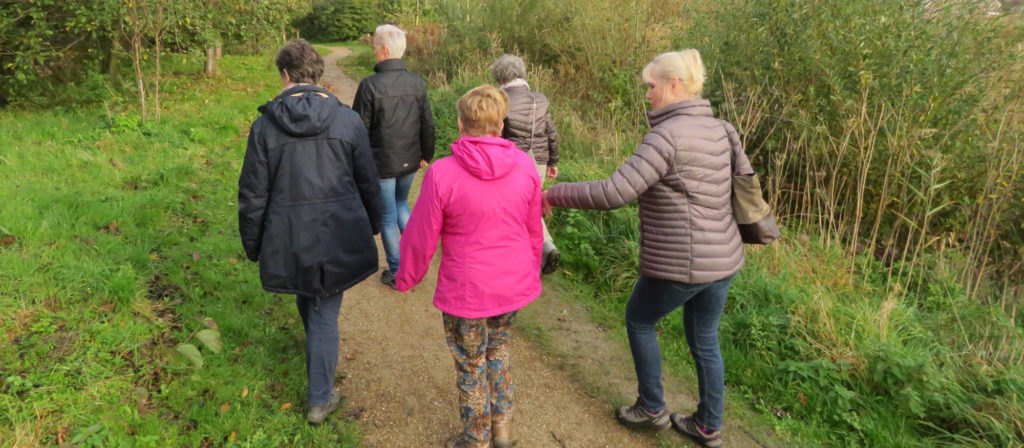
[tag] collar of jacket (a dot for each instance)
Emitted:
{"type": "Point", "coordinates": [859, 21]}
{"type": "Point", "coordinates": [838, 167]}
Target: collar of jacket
{"type": "Point", "coordinates": [389, 65]}
{"type": "Point", "coordinates": [695, 107]}
{"type": "Point", "coordinates": [297, 90]}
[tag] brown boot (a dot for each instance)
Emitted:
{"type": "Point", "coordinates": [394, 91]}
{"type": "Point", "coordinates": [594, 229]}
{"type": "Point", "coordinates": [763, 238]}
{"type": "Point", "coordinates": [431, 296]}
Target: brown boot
{"type": "Point", "coordinates": [501, 435]}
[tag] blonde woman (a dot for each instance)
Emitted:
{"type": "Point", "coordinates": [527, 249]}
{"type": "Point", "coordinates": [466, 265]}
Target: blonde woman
{"type": "Point", "coordinates": [690, 247]}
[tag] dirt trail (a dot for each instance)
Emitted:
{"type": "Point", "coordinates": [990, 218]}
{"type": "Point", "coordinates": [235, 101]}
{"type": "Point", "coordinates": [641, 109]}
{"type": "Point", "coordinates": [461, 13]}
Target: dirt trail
{"type": "Point", "coordinates": [400, 378]}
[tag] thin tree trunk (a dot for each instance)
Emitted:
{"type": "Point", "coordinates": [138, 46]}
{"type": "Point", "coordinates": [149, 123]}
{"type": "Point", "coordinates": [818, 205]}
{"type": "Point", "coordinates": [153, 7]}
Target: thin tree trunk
{"type": "Point", "coordinates": [137, 58]}
{"type": "Point", "coordinates": [211, 66]}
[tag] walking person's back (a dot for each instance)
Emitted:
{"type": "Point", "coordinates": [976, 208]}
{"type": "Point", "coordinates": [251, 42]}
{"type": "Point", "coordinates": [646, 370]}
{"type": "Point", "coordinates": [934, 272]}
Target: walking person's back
{"type": "Point", "coordinates": [529, 125]}
{"type": "Point", "coordinates": [394, 107]}
{"type": "Point", "coordinates": [484, 204]}
{"type": "Point", "coordinates": [308, 208]}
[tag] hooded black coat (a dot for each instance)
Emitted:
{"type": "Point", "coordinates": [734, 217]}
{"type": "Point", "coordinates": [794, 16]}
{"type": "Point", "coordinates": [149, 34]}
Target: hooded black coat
{"type": "Point", "coordinates": [307, 195]}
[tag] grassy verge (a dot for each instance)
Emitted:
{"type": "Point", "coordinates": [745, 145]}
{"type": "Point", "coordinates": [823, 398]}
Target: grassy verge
{"type": "Point", "coordinates": [118, 249]}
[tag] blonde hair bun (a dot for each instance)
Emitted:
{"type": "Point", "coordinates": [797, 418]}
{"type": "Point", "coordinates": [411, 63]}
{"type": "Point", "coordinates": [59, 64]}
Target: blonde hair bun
{"type": "Point", "coordinates": [686, 65]}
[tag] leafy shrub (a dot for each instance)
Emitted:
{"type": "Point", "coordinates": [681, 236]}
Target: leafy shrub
{"type": "Point", "coordinates": [334, 20]}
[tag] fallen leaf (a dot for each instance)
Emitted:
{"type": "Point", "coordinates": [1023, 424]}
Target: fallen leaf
{"type": "Point", "coordinates": [225, 407]}
{"type": "Point", "coordinates": [196, 256]}
{"type": "Point", "coordinates": [350, 356]}
{"type": "Point", "coordinates": [113, 228]}
{"type": "Point", "coordinates": [245, 392]}
{"type": "Point", "coordinates": [802, 397]}
{"type": "Point", "coordinates": [233, 260]}
{"type": "Point", "coordinates": [141, 397]}
{"type": "Point", "coordinates": [210, 323]}
{"type": "Point", "coordinates": [108, 307]}
{"type": "Point", "coordinates": [116, 164]}
{"type": "Point", "coordinates": [192, 353]}
{"type": "Point", "coordinates": [7, 241]}
{"type": "Point", "coordinates": [211, 339]}
{"type": "Point", "coordinates": [154, 256]}
{"type": "Point", "coordinates": [231, 438]}
{"type": "Point", "coordinates": [284, 407]}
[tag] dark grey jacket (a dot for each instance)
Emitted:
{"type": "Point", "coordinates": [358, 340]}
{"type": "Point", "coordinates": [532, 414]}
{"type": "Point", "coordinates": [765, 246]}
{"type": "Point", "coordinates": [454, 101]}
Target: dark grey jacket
{"type": "Point", "coordinates": [522, 130]}
{"type": "Point", "coordinates": [394, 107]}
{"type": "Point", "coordinates": [307, 195]}
{"type": "Point", "coordinates": [682, 175]}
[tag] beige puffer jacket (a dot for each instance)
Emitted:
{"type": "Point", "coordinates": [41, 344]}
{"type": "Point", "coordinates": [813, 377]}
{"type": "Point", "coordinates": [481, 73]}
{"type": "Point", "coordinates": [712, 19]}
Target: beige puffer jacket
{"type": "Point", "coordinates": [682, 175]}
{"type": "Point", "coordinates": [521, 129]}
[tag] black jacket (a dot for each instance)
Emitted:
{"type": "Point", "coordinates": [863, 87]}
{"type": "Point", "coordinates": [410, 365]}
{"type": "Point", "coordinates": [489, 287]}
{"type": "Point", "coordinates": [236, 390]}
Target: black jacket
{"type": "Point", "coordinates": [394, 107]}
{"type": "Point", "coordinates": [307, 195]}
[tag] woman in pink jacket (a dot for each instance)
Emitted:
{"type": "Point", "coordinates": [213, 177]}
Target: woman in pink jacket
{"type": "Point", "coordinates": [484, 203]}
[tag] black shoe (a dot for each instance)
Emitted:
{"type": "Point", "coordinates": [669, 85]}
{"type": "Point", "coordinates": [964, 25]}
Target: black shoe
{"type": "Point", "coordinates": [550, 260]}
{"type": "Point", "coordinates": [388, 278]}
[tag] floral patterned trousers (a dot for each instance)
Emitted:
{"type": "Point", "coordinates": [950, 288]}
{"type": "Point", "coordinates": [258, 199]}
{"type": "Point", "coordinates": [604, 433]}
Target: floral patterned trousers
{"type": "Point", "coordinates": [483, 363]}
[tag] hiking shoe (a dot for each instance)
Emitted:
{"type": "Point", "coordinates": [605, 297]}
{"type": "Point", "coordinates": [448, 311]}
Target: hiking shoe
{"type": "Point", "coordinates": [638, 418]}
{"type": "Point", "coordinates": [318, 413]}
{"type": "Point", "coordinates": [459, 441]}
{"type": "Point", "coordinates": [388, 278]}
{"type": "Point", "coordinates": [501, 436]}
{"type": "Point", "coordinates": [687, 426]}
{"type": "Point", "coordinates": [549, 260]}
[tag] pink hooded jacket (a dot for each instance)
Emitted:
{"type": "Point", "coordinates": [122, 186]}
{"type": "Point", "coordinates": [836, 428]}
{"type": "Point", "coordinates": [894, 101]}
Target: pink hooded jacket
{"type": "Point", "coordinates": [484, 203]}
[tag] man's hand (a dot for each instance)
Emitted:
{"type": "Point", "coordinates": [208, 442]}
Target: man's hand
{"type": "Point", "coordinates": [552, 172]}
{"type": "Point", "coordinates": [423, 164]}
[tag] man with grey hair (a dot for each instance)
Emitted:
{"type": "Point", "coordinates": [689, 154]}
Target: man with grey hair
{"type": "Point", "coordinates": [530, 127]}
{"type": "Point", "coordinates": [394, 107]}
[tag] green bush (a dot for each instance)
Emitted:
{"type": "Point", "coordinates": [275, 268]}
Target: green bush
{"type": "Point", "coordinates": [338, 20]}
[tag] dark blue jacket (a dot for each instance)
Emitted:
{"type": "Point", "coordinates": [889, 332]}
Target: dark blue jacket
{"type": "Point", "coordinates": [307, 195]}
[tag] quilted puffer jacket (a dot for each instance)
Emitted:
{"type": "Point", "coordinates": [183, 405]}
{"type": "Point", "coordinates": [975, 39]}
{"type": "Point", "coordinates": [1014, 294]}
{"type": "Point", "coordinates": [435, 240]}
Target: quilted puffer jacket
{"type": "Point", "coordinates": [522, 130]}
{"type": "Point", "coordinates": [682, 175]}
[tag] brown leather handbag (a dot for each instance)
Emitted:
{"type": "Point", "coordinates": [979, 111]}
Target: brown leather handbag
{"type": "Point", "coordinates": [753, 215]}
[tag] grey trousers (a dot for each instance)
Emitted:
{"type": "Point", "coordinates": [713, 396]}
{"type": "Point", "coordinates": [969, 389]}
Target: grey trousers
{"type": "Point", "coordinates": [542, 170]}
{"type": "Point", "coordinates": [320, 320]}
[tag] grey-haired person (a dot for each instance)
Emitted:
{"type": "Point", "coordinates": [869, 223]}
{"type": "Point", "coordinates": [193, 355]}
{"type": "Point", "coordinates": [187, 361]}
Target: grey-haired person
{"type": "Point", "coordinates": [530, 127]}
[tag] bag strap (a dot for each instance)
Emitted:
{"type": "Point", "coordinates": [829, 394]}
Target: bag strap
{"type": "Point", "coordinates": [533, 122]}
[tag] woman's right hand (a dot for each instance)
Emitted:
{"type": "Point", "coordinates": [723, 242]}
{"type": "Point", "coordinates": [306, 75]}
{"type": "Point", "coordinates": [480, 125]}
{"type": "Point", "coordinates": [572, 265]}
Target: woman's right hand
{"type": "Point", "coordinates": [547, 205]}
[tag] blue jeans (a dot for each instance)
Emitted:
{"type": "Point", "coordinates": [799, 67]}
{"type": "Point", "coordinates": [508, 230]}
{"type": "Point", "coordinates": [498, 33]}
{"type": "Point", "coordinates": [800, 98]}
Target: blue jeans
{"type": "Point", "coordinates": [702, 303]}
{"type": "Point", "coordinates": [320, 320]}
{"type": "Point", "coordinates": [394, 205]}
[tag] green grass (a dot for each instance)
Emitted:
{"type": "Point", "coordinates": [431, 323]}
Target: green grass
{"type": "Point", "coordinates": [117, 242]}
{"type": "Point", "coordinates": [359, 64]}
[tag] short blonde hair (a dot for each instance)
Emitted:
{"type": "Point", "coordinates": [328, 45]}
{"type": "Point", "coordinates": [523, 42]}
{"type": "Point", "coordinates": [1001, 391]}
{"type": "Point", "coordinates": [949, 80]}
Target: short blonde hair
{"type": "Point", "coordinates": [686, 65]}
{"type": "Point", "coordinates": [482, 110]}
{"type": "Point", "coordinates": [392, 37]}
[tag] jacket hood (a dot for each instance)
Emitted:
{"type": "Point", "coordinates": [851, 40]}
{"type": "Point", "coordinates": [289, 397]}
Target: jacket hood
{"type": "Point", "coordinates": [486, 157]}
{"type": "Point", "coordinates": [302, 111]}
